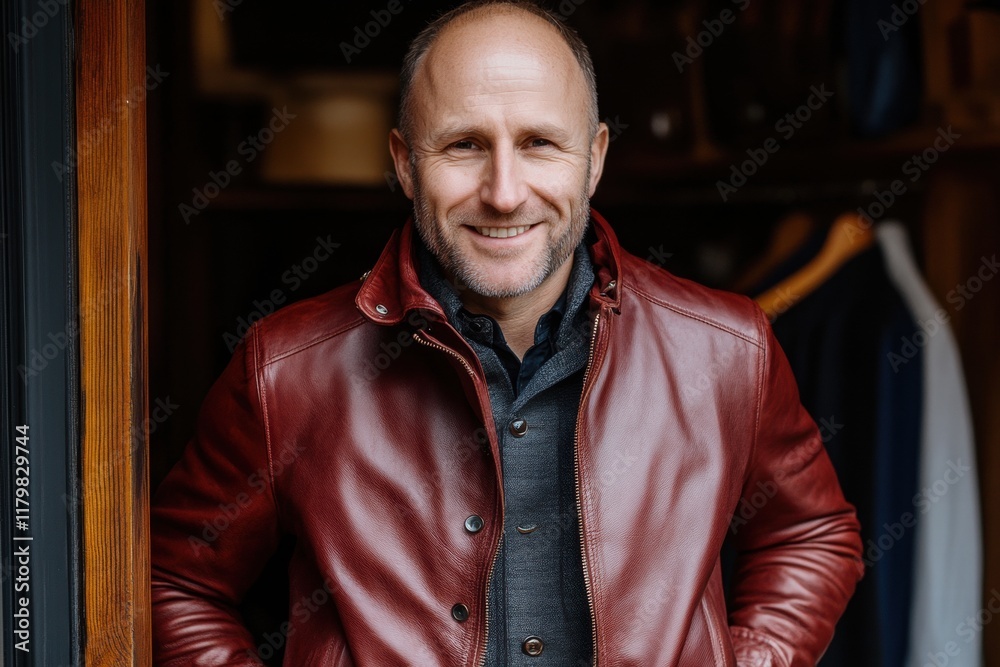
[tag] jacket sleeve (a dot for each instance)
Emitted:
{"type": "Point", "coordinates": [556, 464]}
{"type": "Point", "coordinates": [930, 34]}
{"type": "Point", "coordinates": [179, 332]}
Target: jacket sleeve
{"type": "Point", "coordinates": [798, 540]}
{"type": "Point", "coordinates": [214, 525]}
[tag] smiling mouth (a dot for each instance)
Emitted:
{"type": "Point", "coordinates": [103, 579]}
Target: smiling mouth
{"type": "Point", "coordinates": [502, 232]}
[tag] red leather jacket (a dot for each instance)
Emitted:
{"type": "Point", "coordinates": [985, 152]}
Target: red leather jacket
{"type": "Point", "coordinates": [358, 421]}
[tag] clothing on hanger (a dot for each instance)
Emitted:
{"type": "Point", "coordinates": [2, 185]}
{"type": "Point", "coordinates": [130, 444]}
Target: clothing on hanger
{"type": "Point", "coordinates": [884, 67]}
{"type": "Point", "coordinates": [948, 550]}
{"type": "Point", "coordinates": [848, 236]}
{"type": "Point", "coordinates": [788, 236]}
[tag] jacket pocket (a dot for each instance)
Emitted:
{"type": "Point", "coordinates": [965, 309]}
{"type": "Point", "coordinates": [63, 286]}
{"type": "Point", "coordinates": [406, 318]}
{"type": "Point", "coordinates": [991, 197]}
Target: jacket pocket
{"type": "Point", "coordinates": [753, 649]}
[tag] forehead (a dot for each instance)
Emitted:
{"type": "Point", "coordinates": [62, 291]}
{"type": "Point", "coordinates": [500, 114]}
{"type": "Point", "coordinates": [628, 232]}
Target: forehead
{"type": "Point", "coordinates": [499, 68]}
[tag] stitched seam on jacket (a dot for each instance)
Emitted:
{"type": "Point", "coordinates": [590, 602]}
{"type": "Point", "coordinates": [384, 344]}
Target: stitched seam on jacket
{"type": "Point", "coordinates": [718, 651]}
{"type": "Point", "coordinates": [762, 370]}
{"type": "Point", "coordinates": [598, 591]}
{"type": "Point", "coordinates": [694, 316]}
{"type": "Point", "coordinates": [261, 392]}
{"type": "Point", "coordinates": [317, 341]}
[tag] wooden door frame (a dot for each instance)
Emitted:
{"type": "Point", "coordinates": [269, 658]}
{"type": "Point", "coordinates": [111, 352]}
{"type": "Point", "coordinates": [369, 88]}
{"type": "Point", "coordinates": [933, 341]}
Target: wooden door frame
{"type": "Point", "coordinates": [111, 88]}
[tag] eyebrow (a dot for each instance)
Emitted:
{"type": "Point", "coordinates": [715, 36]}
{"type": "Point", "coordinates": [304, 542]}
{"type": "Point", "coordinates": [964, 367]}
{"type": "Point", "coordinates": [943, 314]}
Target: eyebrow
{"type": "Point", "coordinates": [454, 132]}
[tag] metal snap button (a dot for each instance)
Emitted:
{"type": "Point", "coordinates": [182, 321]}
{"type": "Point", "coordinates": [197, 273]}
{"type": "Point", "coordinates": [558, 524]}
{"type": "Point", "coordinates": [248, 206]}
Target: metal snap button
{"type": "Point", "coordinates": [518, 427]}
{"type": "Point", "coordinates": [532, 646]}
{"type": "Point", "coordinates": [474, 523]}
{"type": "Point", "coordinates": [460, 612]}
{"type": "Point", "coordinates": [381, 310]}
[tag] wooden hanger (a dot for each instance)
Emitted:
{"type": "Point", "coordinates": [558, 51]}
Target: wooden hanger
{"type": "Point", "coordinates": [788, 236]}
{"type": "Point", "coordinates": [849, 235]}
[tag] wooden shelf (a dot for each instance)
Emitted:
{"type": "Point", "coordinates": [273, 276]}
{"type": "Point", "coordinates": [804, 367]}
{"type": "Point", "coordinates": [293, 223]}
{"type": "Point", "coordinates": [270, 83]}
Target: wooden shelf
{"type": "Point", "coordinates": [798, 162]}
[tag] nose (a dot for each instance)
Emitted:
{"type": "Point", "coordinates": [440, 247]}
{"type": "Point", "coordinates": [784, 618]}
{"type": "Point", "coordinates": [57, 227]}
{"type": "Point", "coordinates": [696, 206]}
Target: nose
{"type": "Point", "coordinates": [503, 188]}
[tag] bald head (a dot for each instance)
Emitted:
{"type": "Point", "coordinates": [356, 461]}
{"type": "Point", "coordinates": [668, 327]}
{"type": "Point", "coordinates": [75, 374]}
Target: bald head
{"type": "Point", "coordinates": [478, 31]}
{"type": "Point", "coordinates": [500, 149]}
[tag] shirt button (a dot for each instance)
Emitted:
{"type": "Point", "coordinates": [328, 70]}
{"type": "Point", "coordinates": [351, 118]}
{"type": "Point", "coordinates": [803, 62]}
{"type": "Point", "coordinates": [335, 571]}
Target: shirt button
{"type": "Point", "coordinates": [476, 325]}
{"type": "Point", "coordinates": [474, 523]}
{"type": "Point", "coordinates": [532, 646]}
{"type": "Point", "coordinates": [460, 612]}
{"type": "Point", "coordinates": [518, 427]}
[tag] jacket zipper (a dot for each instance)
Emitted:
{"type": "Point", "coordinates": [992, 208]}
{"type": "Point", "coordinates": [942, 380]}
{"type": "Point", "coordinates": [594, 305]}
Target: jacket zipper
{"type": "Point", "coordinates": [496, 546]}
{"type": "Point", "coordinates": [579, 505]}
{"type": "Point", "coordinates": [489, 577]}
{"type": "Point", "coordinates": [576, 474]}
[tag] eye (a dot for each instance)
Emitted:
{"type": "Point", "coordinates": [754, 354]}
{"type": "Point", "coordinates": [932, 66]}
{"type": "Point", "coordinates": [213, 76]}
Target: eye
{"type": "Point", "coordinates": [538, 142]}
{"type": "Point", "coordinates": [464, 145]}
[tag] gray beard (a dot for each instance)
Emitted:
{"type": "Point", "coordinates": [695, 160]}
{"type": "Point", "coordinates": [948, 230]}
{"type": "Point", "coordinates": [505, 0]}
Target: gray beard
{"type": "Point", "coordinates": [465, 274]}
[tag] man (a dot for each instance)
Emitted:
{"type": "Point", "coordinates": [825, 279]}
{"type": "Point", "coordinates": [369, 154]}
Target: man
{"type": "Point", "coordinates": [556, 441]}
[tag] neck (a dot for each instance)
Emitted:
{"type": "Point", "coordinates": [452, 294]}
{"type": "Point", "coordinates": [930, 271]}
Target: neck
{"type": "Point", "coordinates": [518, 315]}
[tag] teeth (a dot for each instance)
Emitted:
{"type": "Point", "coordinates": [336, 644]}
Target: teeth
{"type": "Point", "coordinates": [502, 232]}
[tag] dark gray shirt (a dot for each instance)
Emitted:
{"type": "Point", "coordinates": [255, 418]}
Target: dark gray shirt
{"type": "Point", "coordinates": [537, 588]}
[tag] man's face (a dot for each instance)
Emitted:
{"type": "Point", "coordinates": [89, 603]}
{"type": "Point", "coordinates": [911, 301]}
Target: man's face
{"type": "Point", "coordinates": [503, 164]}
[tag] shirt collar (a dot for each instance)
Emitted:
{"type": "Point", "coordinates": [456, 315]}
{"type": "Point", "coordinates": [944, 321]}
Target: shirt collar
{"type": "Point", "coordinates": [391, 291]}
{"type": "Point", "coordinates": [554, 322]}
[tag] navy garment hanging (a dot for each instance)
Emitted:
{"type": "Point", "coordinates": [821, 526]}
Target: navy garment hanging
{"type": "Point", "coordinates": [837, 340]}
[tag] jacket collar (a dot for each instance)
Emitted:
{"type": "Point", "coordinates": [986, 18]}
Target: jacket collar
{"type": "Point", "coordinates": [392, 288]}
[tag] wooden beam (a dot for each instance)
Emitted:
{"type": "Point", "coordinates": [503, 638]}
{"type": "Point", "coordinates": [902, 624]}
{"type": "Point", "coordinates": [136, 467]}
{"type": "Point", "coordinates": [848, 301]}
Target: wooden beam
{"type": "Point", "coordinates": [111, 86]}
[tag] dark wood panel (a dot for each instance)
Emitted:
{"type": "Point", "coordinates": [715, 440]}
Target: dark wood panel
{"type": "Point", "coordinates": [961, 233]}
{"type": "Point", "coordinates": [111, 89]}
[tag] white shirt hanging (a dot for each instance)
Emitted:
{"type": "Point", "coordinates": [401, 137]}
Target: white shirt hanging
{"type": "Point", "coordinates": [947, 573]}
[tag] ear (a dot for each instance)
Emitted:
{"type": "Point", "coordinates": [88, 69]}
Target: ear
{"type": "Point", "coordinates": [598, 151]}
{"type": "Point", "coordinates": [401, 158]}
